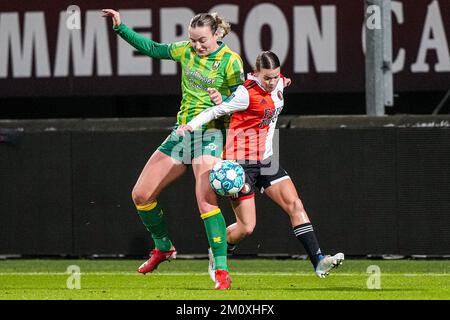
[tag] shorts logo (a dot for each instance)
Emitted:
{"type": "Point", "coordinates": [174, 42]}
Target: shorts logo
{"type": "Point", "coordinates": [217, 240]}
{"type": "Point", "coordinates": [211, 146]}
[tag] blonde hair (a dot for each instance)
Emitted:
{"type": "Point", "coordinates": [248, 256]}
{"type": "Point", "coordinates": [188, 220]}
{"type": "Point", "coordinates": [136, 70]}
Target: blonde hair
{"type": "Point", "coordinates": [214, 21]}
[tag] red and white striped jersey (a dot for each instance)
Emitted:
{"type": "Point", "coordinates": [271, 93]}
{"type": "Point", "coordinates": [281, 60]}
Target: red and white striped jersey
{"type": "Point", "coordinates": [253, 120]}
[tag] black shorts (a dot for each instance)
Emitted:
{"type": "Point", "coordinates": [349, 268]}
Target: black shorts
{"type": "Point", "coordinates": [260, 176]}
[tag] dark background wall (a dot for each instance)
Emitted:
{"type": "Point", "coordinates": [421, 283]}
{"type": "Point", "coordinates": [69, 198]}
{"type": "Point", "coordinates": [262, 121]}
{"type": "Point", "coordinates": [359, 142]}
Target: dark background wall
{"type": "Point", "coordinates": [325, 103]}
{"type": "Point", "coordinates": [370, 186]}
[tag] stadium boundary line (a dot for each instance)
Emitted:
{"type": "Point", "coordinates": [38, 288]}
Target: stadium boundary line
{"type": "Point", "coordinates": [205, 273]}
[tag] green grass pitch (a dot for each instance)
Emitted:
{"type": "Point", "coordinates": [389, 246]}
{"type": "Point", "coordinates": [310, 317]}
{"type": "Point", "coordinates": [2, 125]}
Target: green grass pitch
{"type": "Point", "coordinates": [253, 279]}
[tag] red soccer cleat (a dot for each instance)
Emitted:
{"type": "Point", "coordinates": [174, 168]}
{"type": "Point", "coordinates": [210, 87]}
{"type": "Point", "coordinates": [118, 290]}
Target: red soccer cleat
{"type": "Point", "coordinates": [223, 280]}
{"type": "Point", "coordinates": [156, 257]}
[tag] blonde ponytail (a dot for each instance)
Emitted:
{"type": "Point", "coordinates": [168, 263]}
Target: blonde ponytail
{"type": "Point", "coordinates": [214, 21]}
{"type": "Point", "coordinates": [223, 26]}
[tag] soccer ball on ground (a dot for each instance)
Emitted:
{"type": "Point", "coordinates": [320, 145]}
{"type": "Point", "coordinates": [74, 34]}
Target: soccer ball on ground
{"type": "Point", "coordinates": [227, 178]}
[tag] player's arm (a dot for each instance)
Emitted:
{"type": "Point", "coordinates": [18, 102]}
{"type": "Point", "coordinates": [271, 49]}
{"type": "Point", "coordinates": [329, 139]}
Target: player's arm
{"type": "Point", "coordinates": [238, 101]}
{"type": "Point", "coordinates": [142, 44]}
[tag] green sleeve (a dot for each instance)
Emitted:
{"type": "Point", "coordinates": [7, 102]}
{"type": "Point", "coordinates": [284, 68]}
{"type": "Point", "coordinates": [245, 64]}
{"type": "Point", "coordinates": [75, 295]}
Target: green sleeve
{"type": "Point", "coordinates": [142, 44]}
{"type": "Point", "coordinates": [178, 49]}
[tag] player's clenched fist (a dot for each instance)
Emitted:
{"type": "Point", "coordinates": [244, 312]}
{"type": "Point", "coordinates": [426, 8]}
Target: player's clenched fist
{"type": "Point", "coordinates": [181, 130]}
{"type": "Point", "coordinates": [215, 96]}
{"type": "Point", "coordinates": [115, 16]}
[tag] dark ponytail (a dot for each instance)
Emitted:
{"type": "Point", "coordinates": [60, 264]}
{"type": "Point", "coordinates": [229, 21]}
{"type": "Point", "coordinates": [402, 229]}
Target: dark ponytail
{"type": "Point", "coordinates": [267, 60]}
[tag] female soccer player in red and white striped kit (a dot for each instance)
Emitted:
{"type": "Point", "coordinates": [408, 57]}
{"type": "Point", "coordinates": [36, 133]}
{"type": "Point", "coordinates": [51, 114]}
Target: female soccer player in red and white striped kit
{"type": "Point", "coordinates": [255, 107]}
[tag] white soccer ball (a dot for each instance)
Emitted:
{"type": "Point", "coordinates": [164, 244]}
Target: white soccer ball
{"type": "Point", "coordinates": [227, 178]}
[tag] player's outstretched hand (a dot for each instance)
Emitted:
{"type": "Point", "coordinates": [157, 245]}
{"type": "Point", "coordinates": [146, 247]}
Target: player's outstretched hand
{"type": "Point", "coordinates": [215, 96]}
{"type": "Point", "coordinates": [115, 16]}
{"type": "Point", "coordinates": [181, 130]}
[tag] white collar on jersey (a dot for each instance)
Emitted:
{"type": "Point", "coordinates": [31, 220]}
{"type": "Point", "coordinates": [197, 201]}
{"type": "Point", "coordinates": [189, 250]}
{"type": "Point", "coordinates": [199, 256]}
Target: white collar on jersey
{"type": "Point", "coordinates": [251, 76]}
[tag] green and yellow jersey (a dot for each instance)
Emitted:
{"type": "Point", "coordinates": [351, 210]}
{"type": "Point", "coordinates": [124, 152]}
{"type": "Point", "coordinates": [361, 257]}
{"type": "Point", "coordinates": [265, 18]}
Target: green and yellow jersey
{"type": "Point", "coordinates": [222, 69]}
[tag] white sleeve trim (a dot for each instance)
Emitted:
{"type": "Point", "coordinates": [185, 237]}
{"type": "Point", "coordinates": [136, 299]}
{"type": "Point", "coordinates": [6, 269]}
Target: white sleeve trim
{"type": "Point", "coordinates": [238, 101]}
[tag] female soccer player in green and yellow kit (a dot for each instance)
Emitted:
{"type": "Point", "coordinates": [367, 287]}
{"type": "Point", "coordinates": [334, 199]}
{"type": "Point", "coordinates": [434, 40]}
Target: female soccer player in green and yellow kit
{"type": "Point", "coordinates": [206, 64]}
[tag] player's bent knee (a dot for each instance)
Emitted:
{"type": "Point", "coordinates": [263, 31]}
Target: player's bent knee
{"type": "Point", "coordinates": [140, 197]}
{"type": "Point", "coordinates": [295, 207]}
{"type": "Point", "coordinates": [207, 204]}
{"type": "Point", "coordinates": [206, 198]}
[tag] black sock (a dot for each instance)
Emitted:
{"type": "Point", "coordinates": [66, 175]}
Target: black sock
{"type": "Point", "coordinates": [305, 234]}
{"type": "Point", "coordinates": [231, 247]}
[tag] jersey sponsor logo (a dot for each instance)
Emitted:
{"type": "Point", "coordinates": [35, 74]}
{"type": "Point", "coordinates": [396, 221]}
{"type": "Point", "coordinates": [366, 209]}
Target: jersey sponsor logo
{"type": "Point", "coordinates": [195, 75]}
{"type": "Point", "coordinates": [268, 115]}
{"type": "Point", "coordinates": [197, 86]}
